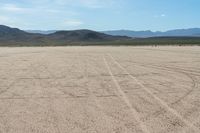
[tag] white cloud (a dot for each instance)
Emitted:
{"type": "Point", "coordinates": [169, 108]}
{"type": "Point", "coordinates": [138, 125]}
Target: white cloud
{"type": "Point", "coordinates": [86, 3]}
{"type": "Point", "coordinates": [13, 22]}
{"type": "Point", "coordinates": [52, 11]}
{"type": "Point", "coordinates": [3, 19]}
{"type": "Point", "coordinates": [12, 8]}
{"type": "Point", "coordinates": [97, 3]}
{"type": "Point", "coordinates": [92, 3]}
{"type": "Point", "coordinates": [72, 23]}
{"type": "Point", "coordinates": [49, 12]}
{"type": "Point", "coordinates": [162, 15]}
{"type": "Point", "coordinates": [36, 9]}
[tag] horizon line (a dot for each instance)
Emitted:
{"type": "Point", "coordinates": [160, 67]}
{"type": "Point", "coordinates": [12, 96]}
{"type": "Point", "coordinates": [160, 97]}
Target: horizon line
{"type": "Point", "coordinates": [99, 30]}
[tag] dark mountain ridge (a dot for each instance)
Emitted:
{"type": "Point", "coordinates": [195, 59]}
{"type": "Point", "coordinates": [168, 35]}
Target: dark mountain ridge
{"type": "Point", "coordinates": [83, 35]}
{"type": "Point", "coordinates": [8, 34]}
{"type": "Point", "coordinates": [16, 37]}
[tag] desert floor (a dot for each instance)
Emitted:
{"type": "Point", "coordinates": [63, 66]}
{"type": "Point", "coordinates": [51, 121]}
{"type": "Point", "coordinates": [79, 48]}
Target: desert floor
{"type": "Point", "coordinates": [100, 90]}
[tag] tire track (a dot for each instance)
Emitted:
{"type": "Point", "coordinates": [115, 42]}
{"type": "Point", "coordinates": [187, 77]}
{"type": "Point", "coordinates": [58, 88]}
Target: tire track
{"type": "Point", "coordinates": [98, 104]}
{"type": "Point", "coordinates": [76, 123]}
{"type": "Point", "coordinates": [10, 86]}
{"type": "Point", "coordinates": [185, 72]}
{"type": "Point", "coordinates": [71, 96]}
{"type": "Point", "coordinates": [3, 117]}
{"type": "Point", "coordinates": [193, 87]}
{"type": "Point", "coordinates": [163, 103]}
{"type": "Point", "coordinates": [193, 79]}
{"type": "Point", "coordinates": [123, 96]}
{"type": "Point", "coordinates": [50, 112]}
{"type": "Point", "coordinates": [55, 80]}
{"type": "Point", "coordinates": [170, 51]}
{"type": "Point", "coordinates": [6, 123]}
{"type": "Point", "coordinates": [170, 69]}
{"type": "Point", "coordinates": [57, 97]}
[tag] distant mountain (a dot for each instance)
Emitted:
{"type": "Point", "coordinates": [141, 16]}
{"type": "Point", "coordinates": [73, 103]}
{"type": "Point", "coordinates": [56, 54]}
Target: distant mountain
{"type": "Point", "coordinates": [16, 37]}
{"type": "Point", "coordinates": [45, 32]}
{"type": "Point", "coordinates": [8, 34]}
{"type": "Point", "coordinates": [83, 35]}
{"type": "Point", "coordinates": [13, 35]}
{"type": "Point", "coordinates": [176, 33]}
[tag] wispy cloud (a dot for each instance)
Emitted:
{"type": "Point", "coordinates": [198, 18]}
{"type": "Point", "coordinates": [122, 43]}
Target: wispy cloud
{"type": "Point", "coordinates": [160, 16]}
{"type": "Point", "coordinates": [94, 4]}
{"type": "Point", "coordinates": [37, 8]}
{"type": "Point", "coordinates": [72, 23]}
{"type": "Point", "coordinates": [52, 13]}
{"type": "Point", "coordinates": [3, 18]}
{"type": "Point", "coordinates": [10, 21]}
{"type": "Point", "coordinates": [12, 8]}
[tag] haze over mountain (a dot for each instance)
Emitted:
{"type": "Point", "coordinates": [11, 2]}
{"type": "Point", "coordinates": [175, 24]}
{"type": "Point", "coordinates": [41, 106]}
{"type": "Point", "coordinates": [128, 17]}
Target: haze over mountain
{"type": "Point", "coordinates": [191, 32]}
{"type": "Point", "coordinates": [45, 32]}
{"type": "Point", "coordinates": [173, 33]}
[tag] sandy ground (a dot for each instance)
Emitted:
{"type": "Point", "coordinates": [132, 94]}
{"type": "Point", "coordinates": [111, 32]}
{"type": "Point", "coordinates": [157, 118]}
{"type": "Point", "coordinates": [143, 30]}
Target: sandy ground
{"type": "Point", "coordinates": [100, 90]}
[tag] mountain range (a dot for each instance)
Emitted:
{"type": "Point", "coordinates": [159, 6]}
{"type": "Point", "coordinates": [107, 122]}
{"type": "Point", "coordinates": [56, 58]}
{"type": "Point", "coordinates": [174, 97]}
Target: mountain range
{"type": "Point", "coordinates": [16, 37]}
{"type": "Point", "coordinates": [192, 32]}
{"type": "Point", "coordinates": [10, 35]}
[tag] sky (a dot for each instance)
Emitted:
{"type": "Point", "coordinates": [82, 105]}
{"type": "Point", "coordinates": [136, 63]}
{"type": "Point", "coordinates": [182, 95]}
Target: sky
{"type": "Point", "coordinates": [155, 15]}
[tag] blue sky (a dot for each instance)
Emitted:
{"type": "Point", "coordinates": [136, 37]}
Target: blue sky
{"type": "Point", "coordinates": [100, 14]}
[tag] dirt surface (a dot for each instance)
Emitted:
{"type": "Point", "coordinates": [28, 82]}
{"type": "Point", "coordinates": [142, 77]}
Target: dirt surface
{"type": "Point", "coordinates": [100, 90]}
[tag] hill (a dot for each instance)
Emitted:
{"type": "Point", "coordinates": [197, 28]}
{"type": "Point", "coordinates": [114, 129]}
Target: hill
{"type": "Point", "coordinates": [83, 35]}
{"type": "Point", "coordinates": [15, 36]}
{"type": "Point", "coordinates": [7, 33]}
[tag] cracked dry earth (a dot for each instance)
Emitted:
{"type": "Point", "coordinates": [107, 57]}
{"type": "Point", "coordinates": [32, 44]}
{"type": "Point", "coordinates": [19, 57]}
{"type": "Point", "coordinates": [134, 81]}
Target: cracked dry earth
{"type": "Point", "coordinates": [100, 90]}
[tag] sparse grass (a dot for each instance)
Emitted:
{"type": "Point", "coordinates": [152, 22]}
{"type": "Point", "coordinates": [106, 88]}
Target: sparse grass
{"type": "Point", "coordinates": [177, 41]}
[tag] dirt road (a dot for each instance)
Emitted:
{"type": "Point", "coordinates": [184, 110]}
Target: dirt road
{"type": "Point", "coordinates": [100, 90]}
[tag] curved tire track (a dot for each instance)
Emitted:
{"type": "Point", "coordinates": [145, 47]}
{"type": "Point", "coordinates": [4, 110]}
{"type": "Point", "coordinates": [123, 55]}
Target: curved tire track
{"type": "Point", "coordinates": [163, 103]}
